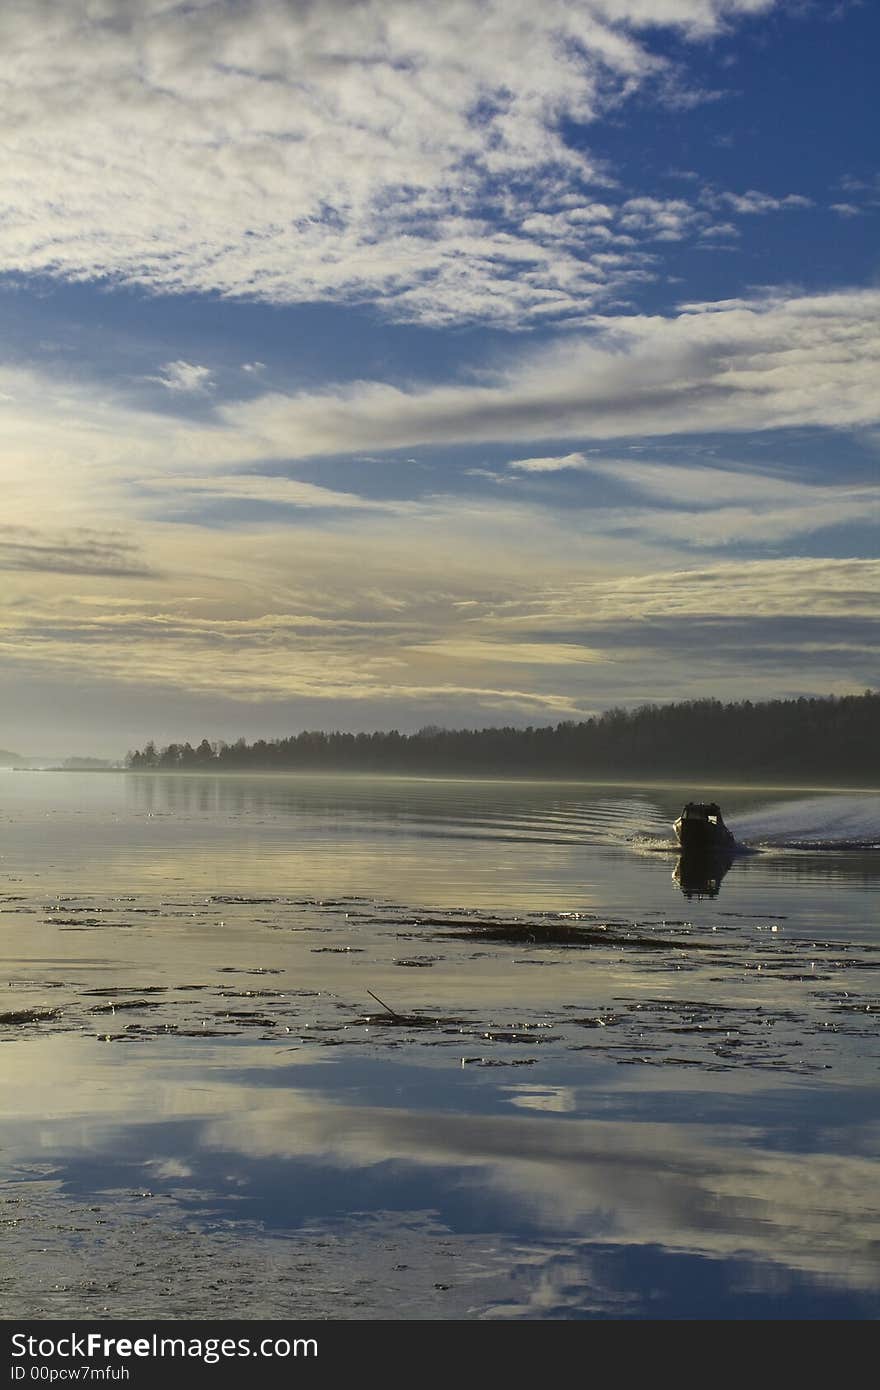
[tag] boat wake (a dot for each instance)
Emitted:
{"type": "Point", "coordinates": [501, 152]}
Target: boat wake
{"type": "Point", "coordinates": [816, 823]}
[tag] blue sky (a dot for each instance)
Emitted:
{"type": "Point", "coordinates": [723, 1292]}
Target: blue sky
{"type": "Point", "coordinates": [368, 366]}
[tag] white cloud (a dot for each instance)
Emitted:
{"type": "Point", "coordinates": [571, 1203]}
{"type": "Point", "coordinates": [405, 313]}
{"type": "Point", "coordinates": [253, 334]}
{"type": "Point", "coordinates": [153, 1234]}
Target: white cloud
{"type": "Point", "coordinates": [714, 507]}
{"type": "Point", "coordinates": [555, 464]}
{"type": "Point", "coordinates": [474, 606]}
{"type": "Point", "coordinates": [753, 523]}
{"type": "Point", "coordinates": [336, 151]}
{"type": "Point", "coordinates": [73, 456]}
{"type": "Point", "coordinates": [700, 18]}
{"type": "Point", "coordinates": [183, 376]}
{"type": "Point", "coordinates": [722, 231]}
{"type": "Point", "coordinates": [666, 219]}
{"type": "Point", "coordinates": [753, 202]}
{"type": "Point", "coordinates": [697, 485]}
{"type": "Point", "coordinates": [252, 487]}
{"type": "Point", "coordinates": [735, 365]}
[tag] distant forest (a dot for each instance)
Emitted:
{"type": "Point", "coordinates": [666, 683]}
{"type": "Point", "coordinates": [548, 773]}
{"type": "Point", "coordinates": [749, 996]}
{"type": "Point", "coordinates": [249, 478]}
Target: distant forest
{"type": "Point", "coordinates": [827, 739]}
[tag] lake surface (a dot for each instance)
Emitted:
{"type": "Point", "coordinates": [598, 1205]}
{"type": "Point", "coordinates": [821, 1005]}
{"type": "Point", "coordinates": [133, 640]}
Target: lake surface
{"type": "Point", "coordinates": [350, 1047]}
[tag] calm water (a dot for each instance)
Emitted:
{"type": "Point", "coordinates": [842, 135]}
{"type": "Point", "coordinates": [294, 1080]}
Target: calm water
{"type": "Point", "coordinates": [594, 1086]}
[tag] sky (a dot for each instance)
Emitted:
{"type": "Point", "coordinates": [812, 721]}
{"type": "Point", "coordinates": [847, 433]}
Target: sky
{"type": "Point", "coordinates": [366, 364]}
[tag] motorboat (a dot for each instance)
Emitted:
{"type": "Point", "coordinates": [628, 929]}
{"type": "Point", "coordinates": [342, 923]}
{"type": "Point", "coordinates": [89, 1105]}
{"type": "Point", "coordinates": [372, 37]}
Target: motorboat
{"type": "Point", "coordinates": [700, 829]}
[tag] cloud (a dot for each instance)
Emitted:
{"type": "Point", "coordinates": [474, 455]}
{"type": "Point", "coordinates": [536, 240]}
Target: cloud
{"type": "Point", "coordinates": [183, 376]}
{"type": "Point", "coordinates": [666, 219]}
{"type": "Point", "coordinates": [339, 151]}
{"type": "Point", "coordinates": [707, 507]}
{"type": "Point", "coordinates": [698, 18]}
{"type": "Point", "coordinates": [510, 653]}
{"type": "Point", "coordinates": [672, 219]}
{"type": "Point", "coordinates": [765, 363]}
{"type": "Point", "coordinates": [721, 231]}
{"type": "Point", "coordinates": [78, 552]}
{"type": "Point", "coordinates": [549, 599]}
{"type": "Point", "coordinates": [274, 491]}
{"type": "Point", "coordinates": [752, 203]}
{"type": "Point", "coordinates": [711, 507]}
{"type": "Point", "coordinates": [78, 458]}
{"type": "Point", "coordinates": [526, 617]}
{"type": "Point", "coordinates": [796, 587]}
{"type": "Point", "coordinates": [554, 464]}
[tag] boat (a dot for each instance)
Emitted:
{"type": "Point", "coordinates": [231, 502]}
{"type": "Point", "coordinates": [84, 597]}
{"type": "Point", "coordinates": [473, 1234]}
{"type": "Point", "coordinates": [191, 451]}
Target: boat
{"type": "Point", "coordinates": [700, 829]}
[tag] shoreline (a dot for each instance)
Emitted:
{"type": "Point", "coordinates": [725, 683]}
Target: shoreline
{"type": "Point", "coordinates": [681, 780]}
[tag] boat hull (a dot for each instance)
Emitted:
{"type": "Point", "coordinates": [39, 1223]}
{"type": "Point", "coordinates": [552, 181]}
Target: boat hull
{"type": "Point", "coordinates": [697, 837]}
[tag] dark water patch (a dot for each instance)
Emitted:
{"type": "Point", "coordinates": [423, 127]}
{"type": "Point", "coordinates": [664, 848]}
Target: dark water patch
{"type": "Point", "coordinates": [70, 908]}
{"type": "Point", "coordinates": [122, 1004]}
{"type": "Point", "coordinates": [253, 993]}
{"type": "Point", "coordinates": [120, 991]}
{"type": "Point", "coordinates": [519, 1036]}
{"type": "Point", "coordinates": [559, 934]}
{"type": "Point", "coordinates": [78, 923]}
{"type": "Point", "coordinates": [27, 983]}
{"type": "Point", "coordinates": [19, 1016]}
{"type": "Point", "coordinates": [499, 1061]}
{"type": "Point", "coordinates": [755, 916]}
{"type": "Point", "coordinates": [246, 970]}
{"type": "Point", "coordinates": [597, 1021]}
{"type": "Point", "coordinates": [401, 1020]}
{"type": "Point", "coordinates": [241, 900]}
{"type": "Point", "coordinates": [243, 1017]}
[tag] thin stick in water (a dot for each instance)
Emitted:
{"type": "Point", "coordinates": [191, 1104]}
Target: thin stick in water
{"type": "Point", "coordinates": [393, 1012]}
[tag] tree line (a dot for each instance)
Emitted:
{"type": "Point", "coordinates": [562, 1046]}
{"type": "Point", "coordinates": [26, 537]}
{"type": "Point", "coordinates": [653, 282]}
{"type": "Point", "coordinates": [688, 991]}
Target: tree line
{"type": "Point", "coordinates": [826, 738]}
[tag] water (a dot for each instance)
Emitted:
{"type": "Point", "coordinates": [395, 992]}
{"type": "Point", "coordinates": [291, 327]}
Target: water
{"type": "Point", "coordinates": [593, 1087]}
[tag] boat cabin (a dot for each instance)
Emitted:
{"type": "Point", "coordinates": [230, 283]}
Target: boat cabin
{"type": "Point", "coordinates": [700, 828]}
{"type": "Point", "coordinates": [709, 812]}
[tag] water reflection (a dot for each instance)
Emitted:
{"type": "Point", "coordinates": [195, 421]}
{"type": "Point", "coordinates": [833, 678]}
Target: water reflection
{"type": "Point", "coordinates": [507, 845]}
{"type": "Point", "coordinates": [581, 1214]}
{"type": "Point", "coordinates": [700, 875]}
{"type": "Point", "coordinates": [666, 1099]}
